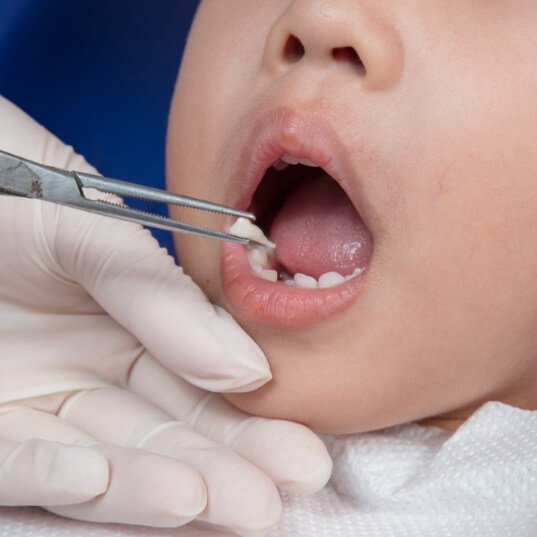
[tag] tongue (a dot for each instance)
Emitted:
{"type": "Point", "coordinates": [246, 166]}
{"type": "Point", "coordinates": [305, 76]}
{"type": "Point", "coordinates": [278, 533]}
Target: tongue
{"type": "Point", "coordinates": [318, 230]}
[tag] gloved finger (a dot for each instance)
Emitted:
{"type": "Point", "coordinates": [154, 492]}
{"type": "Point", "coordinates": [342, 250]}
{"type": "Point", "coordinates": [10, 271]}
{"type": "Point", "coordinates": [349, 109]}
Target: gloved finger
{"type": "Point", "coordinates": [290, 454]}
{"type": "Point", "coordinates": [240, 496]}
{"type": "Point", "coordinates": [38, 472]}
{"type": "Point", "coordinates": [143, 488]}
{"type": "Point", "coordinates": [146, 489]}
{"type": "Point", "coordinates": [44, 460]}
{"type": "Point", "coordinates": [122, 267]}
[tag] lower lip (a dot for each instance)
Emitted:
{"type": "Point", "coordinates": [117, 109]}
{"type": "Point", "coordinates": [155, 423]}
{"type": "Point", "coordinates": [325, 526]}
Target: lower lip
{"type": "Point", "coordinates": [276, 303]}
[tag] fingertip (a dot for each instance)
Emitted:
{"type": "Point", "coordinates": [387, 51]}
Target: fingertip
{"type": "Point", "coordinates": [84, 472]}
{"type": "Point", "coordinates": [177, 506]}
{"type": "Point", "coordinates": [249, 387]}
{"type": "Point", "coordinates": [193, 500]}
{"type": "Point", "coordinates": [249, 505]}
{"type": "Point", "coordinates": [309, 467]}
{"type": "Point", "coordinates": [252, 367]}
{"type": "Point", "coordinates": [290, 453]}
{"type": "Point", "coordinates": [169, 492]}
{"type": "Point", "coordinates": [249, 381]}
{"type": "Point", "coordinates": [261, 515]}
{"type": "Point", "coordinates": [60, 474]}
{"type": "Point", "coordinates": [145, 489]}
{"type": "Point", "coordinates": [315, 474]}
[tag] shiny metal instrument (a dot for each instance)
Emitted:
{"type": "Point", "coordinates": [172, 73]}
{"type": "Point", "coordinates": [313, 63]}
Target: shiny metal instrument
{"type": "Point", "coordinates": [25, 178]}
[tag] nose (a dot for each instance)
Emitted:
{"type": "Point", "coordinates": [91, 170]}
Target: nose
{"type": "Point", "coordinates": [350, 33]}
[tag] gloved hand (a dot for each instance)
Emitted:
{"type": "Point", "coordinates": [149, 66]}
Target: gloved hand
{"type": "Point", "coordinates": [106, 350]}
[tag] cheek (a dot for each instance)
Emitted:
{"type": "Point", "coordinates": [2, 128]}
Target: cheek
{"type": "Point", "coordinates": [200, 259]}
{"type": "Point", "coordinates": [208, 98]}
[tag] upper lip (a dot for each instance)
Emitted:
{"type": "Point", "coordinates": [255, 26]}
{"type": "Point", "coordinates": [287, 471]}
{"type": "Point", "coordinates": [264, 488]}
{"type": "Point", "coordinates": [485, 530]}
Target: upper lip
{"type": "Point", "coordinates": [283, 131]}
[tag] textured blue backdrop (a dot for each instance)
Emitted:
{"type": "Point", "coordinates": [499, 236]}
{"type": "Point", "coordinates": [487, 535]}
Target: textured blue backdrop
{"type": "Point", "coordinates": [99, 74]}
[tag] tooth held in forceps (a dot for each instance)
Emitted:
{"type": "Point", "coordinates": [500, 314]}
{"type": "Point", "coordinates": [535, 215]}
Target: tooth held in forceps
{"type": "Point", "coordinates": [245, 229]}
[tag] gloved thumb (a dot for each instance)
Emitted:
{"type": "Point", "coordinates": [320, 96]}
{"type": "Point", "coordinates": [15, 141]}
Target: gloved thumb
{"type": "Point", "coordinates": [123, 268]}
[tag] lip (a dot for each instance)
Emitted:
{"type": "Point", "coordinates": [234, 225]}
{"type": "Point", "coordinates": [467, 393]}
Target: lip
{"type": "Point", "coordinates": [307, 136]}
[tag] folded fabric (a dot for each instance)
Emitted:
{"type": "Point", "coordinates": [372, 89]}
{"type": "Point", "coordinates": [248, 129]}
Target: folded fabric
{"type": "Point", "coordinates": [414, 481]}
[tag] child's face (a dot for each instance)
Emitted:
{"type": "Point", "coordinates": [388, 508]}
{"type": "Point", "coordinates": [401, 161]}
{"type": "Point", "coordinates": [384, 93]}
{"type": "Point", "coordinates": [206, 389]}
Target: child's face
{"type": "Point", "coordinates": [433, 139]}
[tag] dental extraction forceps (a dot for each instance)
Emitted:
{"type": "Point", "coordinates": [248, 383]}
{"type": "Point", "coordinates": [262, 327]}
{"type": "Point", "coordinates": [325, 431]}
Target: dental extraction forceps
{"type": "Point", "coordinates": [24, 178]}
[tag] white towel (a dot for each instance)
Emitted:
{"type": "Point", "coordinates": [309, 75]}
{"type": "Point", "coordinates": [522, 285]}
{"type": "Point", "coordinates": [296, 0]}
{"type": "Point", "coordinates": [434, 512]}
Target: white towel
{"type": "Point", "coordinates": [406, 481]}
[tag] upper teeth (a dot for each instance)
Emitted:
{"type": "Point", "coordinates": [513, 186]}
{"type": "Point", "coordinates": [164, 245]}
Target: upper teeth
{"type": "Point", "coordinates": [287, 160]}
{"type": "Point", "coordinates": [294, 160]}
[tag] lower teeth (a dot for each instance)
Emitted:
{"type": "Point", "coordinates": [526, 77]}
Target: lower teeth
{"type": "Point", "coordinates": [260, 255]}
{"type": "Point", "coordinates": [329, 279]}
{"type": "Point", "coordinates": [308, 282]}
{"type": "Point", "coordinates": [269, 275]}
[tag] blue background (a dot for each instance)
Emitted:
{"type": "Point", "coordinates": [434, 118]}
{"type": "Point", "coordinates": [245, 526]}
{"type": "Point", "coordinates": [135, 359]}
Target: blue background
{"type": "Point", "coordinates": [99, 74]}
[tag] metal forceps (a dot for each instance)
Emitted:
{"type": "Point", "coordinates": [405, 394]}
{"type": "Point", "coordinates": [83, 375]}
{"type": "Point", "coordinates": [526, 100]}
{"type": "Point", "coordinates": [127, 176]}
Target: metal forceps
{"type": "Point", "coordinates": [24, 178]}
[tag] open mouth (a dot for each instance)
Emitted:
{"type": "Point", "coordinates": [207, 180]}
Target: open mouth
{"type": "Point", "coordinates": [320, 239]}
{"type": "Point", "coordinates": [312, 248]}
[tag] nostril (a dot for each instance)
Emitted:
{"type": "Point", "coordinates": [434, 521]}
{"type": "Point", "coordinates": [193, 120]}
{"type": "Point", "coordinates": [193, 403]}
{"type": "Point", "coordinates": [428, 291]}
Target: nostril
{"type": "Point", "coordinates": [349, 55]}
{"type": "Point", "coordinates": [294, 50]}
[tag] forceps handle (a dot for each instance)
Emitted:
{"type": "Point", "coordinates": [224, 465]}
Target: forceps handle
{"type": "Point", "coordinates": [131, 190]}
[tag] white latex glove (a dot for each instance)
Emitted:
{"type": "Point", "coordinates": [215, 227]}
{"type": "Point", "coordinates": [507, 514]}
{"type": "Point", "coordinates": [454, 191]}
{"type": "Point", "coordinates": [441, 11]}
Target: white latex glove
{"type": "Point", "coordinates": [106, 350]}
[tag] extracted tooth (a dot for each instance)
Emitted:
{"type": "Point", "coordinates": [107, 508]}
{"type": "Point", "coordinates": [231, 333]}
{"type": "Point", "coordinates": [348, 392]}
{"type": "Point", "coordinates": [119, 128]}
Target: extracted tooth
{"type": "Point", "coordinates": [303, 280]}
{"type": "Point", "coordinates": [330, 279]}
{"type": "Point", "coordinates": [269, 275]}
{"type": "Point", "coordinates": [245, 229]}
{"type": "Point", "coordinates": [280, 165]}
{"type": "Point", "coordinates": [294, 160]}
{"type": "Point", "coordinates": [258, 255]}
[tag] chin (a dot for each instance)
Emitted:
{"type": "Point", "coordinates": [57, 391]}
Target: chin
{"type": "Point", "coordinates": [270, 402]}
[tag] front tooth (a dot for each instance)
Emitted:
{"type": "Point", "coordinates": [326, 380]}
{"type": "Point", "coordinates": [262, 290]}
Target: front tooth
{"type": "Point", "coordinates": [303, 280]}
{"type": "Point", "coordinates": [258, 255]}
{"type": "Point", "coordinates": [245, 229]}
{"type": "Point", "coordinates": [294, 160]}
{"type": "Point", "coordinates": [269, 275]}
{"type": "Point", "coordinates": [310, 163]}
{"type": "Point", "coordinates": [280, 165]}
{"type": "Point", "coordinates": [330, 279]}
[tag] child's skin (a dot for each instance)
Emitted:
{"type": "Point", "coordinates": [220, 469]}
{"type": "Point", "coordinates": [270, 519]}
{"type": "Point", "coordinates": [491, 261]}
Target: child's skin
{"type": "Point", "coordinates": [441, 132]}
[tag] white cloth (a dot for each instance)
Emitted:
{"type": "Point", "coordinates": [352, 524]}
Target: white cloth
{"type": "Point", "coordinates": [406, 481]}
{"type": "Point", "coordinates": [413, 481]}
